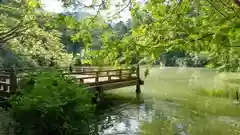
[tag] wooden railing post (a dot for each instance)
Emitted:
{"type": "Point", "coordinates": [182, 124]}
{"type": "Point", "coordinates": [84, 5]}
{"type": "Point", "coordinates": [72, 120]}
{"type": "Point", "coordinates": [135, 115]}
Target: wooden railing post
{"type": "Point", "coordinates": [97, 76]}
{"type": "Point", "coordinates": [70, 68]}
{"type": "Point", "coordinates": [138, 88]}
{"type": "Point", "coordinates": [81, 80]}
{"type": "Point", "coordinates": [120, 74]}
{"type": "Point", "coordinates": [5, 87]}
{"type": "Point", "coordinates": [109, 76]}
{"type": "Point", "coordinates": [13, 80]}
{"type": "Point", "coordinates": [130, 73]}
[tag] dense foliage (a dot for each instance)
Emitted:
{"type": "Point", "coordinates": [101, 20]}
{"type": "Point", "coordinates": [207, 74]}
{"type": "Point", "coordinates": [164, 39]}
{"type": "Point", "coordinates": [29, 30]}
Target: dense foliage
{"type": "Point", "coordinates": [24, 37]}
{"type": "Point", "coordinates": [189, 25]}
{"type": "Point", "coordinates": [50, 103]}
{"type": "Point", "coordinates": [195, 26]}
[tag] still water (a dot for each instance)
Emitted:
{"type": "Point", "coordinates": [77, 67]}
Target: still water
{"type": "Point", "coordinates": [126, 119]}
{"type": "Point", "coordinates": [124, 116]}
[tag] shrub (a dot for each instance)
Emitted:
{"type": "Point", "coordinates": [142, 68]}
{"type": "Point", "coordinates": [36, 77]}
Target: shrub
{"type": "Point", "coordinates": [50, 103]}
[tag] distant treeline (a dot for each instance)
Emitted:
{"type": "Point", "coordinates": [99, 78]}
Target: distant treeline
{"type": "Point", "coordinates": [180, 58]}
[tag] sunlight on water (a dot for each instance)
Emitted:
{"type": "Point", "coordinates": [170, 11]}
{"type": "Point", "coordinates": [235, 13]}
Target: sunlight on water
{"type": "Point", "coordinates": [128, 121]}
{"type": "Point", "coordinates": [127, 118]}
{"type": "Point", "coordinates": [194, 78]}
{"type": "Point", "coordinates": [162, 66]}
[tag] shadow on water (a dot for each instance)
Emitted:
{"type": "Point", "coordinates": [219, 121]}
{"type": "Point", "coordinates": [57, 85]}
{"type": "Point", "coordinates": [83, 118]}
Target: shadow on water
{"type": "Point", "coordinates": [124, 115]}
{"type": "Point", "coordinates": [119, 115]}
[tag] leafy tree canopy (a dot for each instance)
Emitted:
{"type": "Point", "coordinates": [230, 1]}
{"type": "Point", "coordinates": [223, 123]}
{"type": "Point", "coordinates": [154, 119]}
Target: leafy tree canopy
{"type": "Point", "coordinates": [191, 25]}
{"type": "Point", "coordinates": [156, 26]}
{"type": "Point", "coordinates": [25, 31]}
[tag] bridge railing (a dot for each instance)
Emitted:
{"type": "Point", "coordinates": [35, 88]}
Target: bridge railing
{"type": "Point", "coordinates": [10, 77]}
{"type": "Point", "coordinates": [8, 82]}
{"type": "Point", "coordinates": [112, 75]}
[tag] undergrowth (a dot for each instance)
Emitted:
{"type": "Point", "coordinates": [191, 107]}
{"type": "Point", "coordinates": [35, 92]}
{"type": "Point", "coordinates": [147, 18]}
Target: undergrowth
{"type": "Point", "coordinates": [50, 104]}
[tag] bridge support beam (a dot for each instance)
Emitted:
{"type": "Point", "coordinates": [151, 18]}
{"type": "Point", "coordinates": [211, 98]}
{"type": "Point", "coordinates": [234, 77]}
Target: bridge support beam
{"type": "Point", "coordinates": [138, 87]}
{"type": "Point", "coordinates": [99, 95]}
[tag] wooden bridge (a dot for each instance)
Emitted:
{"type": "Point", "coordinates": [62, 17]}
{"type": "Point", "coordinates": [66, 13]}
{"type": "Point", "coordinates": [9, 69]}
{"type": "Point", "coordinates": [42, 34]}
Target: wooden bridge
{"type": "Point", "coordinates": [95, 78]}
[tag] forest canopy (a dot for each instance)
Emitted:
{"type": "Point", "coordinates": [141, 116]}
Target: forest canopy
{"type": "Point", "coordinates": [155, 27]}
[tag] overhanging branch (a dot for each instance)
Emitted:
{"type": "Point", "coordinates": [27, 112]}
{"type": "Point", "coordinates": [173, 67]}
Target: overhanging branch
{"type": "Point", "coordinates": [14, 34]}
{"type": "Point", "coordinates": [16, 29]}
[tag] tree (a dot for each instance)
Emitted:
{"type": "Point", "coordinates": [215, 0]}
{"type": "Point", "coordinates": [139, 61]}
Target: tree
{"type": "Point", "coordinates": [213, 28]}
{"type": "Point", "coordinates": [23, 30]}
{"type": "Point", "coordinates": [191, 25]}
{"type": "Point", "coordinates": [158, 26]}
{"type": "Point", "coordinates": [17, 17]}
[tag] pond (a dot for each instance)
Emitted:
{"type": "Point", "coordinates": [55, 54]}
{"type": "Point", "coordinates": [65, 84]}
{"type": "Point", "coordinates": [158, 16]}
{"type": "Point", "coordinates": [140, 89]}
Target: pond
{"type": "Point", "coordinates": [169, 105]}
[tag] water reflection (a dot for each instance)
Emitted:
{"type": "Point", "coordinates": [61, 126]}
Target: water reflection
{"type": "Point", "coordinates": [125, 118]}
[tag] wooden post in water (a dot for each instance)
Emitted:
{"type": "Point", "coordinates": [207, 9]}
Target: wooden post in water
{"type": "Point", "coordinates": [13, 80]}
{"type": "Point", "coordinates": [138, 88]}
{"type": "Point", "coordinates": [237, 96]}
{"type": "Point", "coordinates": [99, 95]}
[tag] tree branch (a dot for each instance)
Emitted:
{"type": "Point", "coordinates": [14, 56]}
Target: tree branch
{"type": "Point", "coordinates": [217, 9]}
{"type": "Point", "coordinates": [16, 29]}
{"type": "Point", "coordinates": [94, 18]}
{"type": "Point", "coordinates": [12, 29]}
{"type": "Point", "coordinates": [14, 34]}
{"type": "Point", "coordinates": [201, 38]}
{"type": "Point", "coordinates": [118, 12]}
{"type": "Point", "coordinates": [229, 6]}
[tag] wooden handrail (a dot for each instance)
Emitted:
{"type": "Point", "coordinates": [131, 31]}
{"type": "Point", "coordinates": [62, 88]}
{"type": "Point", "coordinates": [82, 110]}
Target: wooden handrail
{"type": "Point", "coordinates": [101, 71]}
{"type": "Point", "coordinates": [93, 73]}
{"type": "Point", "coordinates": [106, 75]}
{"type": "Point", "coordinates": [91, 77]}
{"type": "Point", "coordinates": [109, 81]}
{"type": "Point", "coordinates": [5, 76]}
{"type": "Point", "coordinates": [4, 73]}
{"type": "Point", "coordinates": [9, 77]}
{"type": "Point", "coordinates": [4, 83]}
{"type": "Point", "coordinates": [97, 75]}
